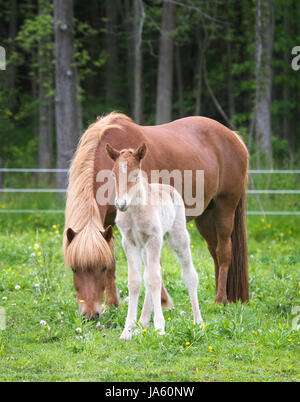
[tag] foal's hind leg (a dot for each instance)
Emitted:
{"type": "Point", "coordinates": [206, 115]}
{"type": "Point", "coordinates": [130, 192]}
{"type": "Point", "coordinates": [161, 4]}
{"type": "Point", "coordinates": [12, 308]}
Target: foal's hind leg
{"type": "Point", "coordinates": [179, 241]}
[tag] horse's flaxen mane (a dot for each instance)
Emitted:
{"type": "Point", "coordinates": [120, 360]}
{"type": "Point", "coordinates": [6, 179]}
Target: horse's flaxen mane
{"type": "Point", "coordinates": [88, 249]}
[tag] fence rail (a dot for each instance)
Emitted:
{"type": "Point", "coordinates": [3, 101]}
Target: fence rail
{"type": "Point", "coordinates": [59, 211]}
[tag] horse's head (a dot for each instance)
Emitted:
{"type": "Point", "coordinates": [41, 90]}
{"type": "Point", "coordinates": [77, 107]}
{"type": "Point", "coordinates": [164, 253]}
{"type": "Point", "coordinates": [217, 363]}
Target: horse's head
{"type": "Point", "coordinates": [90, 258]}
{"type": "Point", "coordinates": [126, 172]}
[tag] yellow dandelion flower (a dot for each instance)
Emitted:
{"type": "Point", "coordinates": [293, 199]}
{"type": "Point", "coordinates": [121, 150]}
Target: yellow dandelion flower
{"type": "Point", "coordinates": [57, 231]}
{"type": "Point", "coordinates": [289, 340]}
{"type": "Point", "coordinates": [210, 348]}
{"type": "Point", "coordinates": [202, 325]}
{"type": "Point", "coordinates": [262, 220]}
{"type": "Point", "coordinates": [39, 253]}
{"type": "Point", "coordinates": [145, 330]}
{"type": "Point", "coordinates": [192, 246]}
{"type": "Point", "coordinates": [187, 343]}
{"type": "Point", "coordinates": [54, 226]}
{"type": "Point", "coordinates": [169, 318]}
{"type": "Point", "coordinates": [116, 232]}
{"type": "Point", "coordinates": [191, 225]}
{"type": "Point", "coordinates": [254, 332]}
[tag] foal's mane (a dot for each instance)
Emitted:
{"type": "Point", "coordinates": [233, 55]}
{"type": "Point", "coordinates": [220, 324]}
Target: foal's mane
{"type": "Point", "coordinates": [88, 249]}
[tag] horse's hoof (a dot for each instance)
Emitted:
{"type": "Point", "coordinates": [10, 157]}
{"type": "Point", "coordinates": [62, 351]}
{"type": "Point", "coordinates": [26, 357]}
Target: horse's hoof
{"type": "Point", "coordinates": [221, 300]}
{"type": "Point", "coordinates": [126, 335]}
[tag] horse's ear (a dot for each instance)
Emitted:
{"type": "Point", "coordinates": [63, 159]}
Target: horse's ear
{"type": "Point", "coordinates": [112, 152]}
{"type": "Point", "coordinates": [108, 233]}
{"type": "Point", "coordinates": [70, 234]}
{"type": "Point", "coordinates": [140, 152]}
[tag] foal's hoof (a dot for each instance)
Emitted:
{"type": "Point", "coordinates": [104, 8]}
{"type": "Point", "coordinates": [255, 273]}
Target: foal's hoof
{"type": "Point", "coordinates": [126, 335]}
{"type": "Point", "coordinates": [221, 300]}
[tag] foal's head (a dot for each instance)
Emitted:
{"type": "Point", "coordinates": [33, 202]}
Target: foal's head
{"type": "Point", "coordinates": [126, 172]}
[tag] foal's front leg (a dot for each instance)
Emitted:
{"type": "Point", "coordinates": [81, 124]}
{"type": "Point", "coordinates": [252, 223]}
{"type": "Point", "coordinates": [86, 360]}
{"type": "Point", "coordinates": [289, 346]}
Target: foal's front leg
{"type": "Point", "coordinates": [153, 281]}
{"type": "Point", "coordinates": [134, 285]}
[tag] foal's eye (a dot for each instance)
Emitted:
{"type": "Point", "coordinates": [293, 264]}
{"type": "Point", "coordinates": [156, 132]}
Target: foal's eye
{"type": "Point", "coordinates": [74, 270]}
{"type": "Point", "coordinates": [104, 269]}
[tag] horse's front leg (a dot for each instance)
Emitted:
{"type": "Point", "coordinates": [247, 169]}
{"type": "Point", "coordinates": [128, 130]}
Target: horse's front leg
{"type": "Point", "coordinates": [153, 280]}
{"type": "Point", "coordinates": [134, 285]}
{"type": "Point", "coordinates": [111, 293]}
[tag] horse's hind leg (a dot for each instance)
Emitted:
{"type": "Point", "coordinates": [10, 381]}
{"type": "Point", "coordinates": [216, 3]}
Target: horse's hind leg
{"type": "Point", "coordinates": [206, 227]}
{"type": "Point", "coordinates": [224, 221]}
{"type": "Point", "coordinates": [179, 241]}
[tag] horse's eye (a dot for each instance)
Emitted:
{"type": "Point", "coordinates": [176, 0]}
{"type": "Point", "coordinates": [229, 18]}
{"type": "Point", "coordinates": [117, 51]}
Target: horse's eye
{"type": "Point", "coordinates": [74, 270]}
{"type": "Point", "coordinates": [104, 269]}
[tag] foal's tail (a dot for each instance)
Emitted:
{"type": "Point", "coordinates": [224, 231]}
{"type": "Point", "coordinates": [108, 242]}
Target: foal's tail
{"type": "Point", "coordinates": [237, 280]}
{"type": "Point", "coordinates": [166, 300]}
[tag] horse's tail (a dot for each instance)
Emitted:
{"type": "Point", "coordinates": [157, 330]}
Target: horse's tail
{"type": "Point", "coordinates": [237, 280]}
{"type": "Point", "coordinates": [166, 300]}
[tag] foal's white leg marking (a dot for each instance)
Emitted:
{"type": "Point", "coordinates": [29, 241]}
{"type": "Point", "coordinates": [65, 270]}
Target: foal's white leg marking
{"type": "Point", "coordinates": [153, 280]}
{"type": "Point", "coordinates": [147, 306]}
{"type": "Point", "coordinates": [147, 309]}
{"type": "Point", "coordinates": [134, 285]}
{"type": "Point", "coordinates": [179, 241]}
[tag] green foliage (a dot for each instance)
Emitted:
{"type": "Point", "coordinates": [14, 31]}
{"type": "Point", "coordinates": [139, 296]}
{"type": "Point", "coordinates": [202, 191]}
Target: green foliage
{"type": "Point", "coordinates": [46, 340]}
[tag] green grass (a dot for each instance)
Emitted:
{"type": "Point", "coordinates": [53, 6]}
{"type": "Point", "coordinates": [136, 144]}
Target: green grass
{"type": "Point", "coordinates": [240, 342]}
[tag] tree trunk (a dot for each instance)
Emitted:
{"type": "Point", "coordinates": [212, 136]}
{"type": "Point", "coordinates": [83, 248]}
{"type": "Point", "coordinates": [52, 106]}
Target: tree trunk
{"type": "Point", "coordinates": [45, 81]}
{"type": "Point", "coordinates": [230, 83]}
{"type": "Point", "coordinates": [112, 55]}
{"type": "Point", "coordinates": [198, 74]}
{"type": "Point", "coordinates": [165, 65]}
{"type": "Point", "coordinates": [179, 79]}
{"type": "Point", "coordinates": [138, 61]}
{"type": "Point", "coordinates": [129, 27]}
{"type": "Point", "coordinates": [264, 47]}
{"type": "Point", "coordinates": [66, 88]}
{"type": "Point", "coordinates": [11, 71]}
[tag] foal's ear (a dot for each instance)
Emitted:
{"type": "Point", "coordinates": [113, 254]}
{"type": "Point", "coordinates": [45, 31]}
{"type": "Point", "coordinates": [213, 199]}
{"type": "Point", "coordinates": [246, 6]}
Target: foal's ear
{"type": "Point", "coordinates": [112, 152]}
{"type": "Point", "coordinates": [70, 234]}
{"type": "Point", "coordinates": [108, 233]}
{"type": "Point", "coordinates": [140, 152]}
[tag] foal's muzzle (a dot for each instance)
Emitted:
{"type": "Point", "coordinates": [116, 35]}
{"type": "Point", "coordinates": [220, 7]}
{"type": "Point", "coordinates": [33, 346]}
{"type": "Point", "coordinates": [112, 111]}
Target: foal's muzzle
{"type": "Point", "coordinates": [122, 205]}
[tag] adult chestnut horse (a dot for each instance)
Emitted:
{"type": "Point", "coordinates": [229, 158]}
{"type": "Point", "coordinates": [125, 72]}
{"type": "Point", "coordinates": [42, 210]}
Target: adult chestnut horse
{"type": "Point", "coordinates": [191, 143]}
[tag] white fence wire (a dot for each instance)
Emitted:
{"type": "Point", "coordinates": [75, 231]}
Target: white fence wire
{"type": "Point", "coordinates": [60, 211]}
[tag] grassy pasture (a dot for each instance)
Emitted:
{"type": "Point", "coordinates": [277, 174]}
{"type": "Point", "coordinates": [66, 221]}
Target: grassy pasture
{"type": "Point", "coordinates": [45, 339]}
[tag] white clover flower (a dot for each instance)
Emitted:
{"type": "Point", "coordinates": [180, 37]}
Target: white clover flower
{"type": "Point", "coordinates": [4, 298]}
{"type": "Point", "coordinates": [43, 323]}
{"type": "Point", "coordinates": [17, 287]}
{"type": "Point", "coordinates": [37, 285]}
{"type": "Point", "coordinates": [78, 330]}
